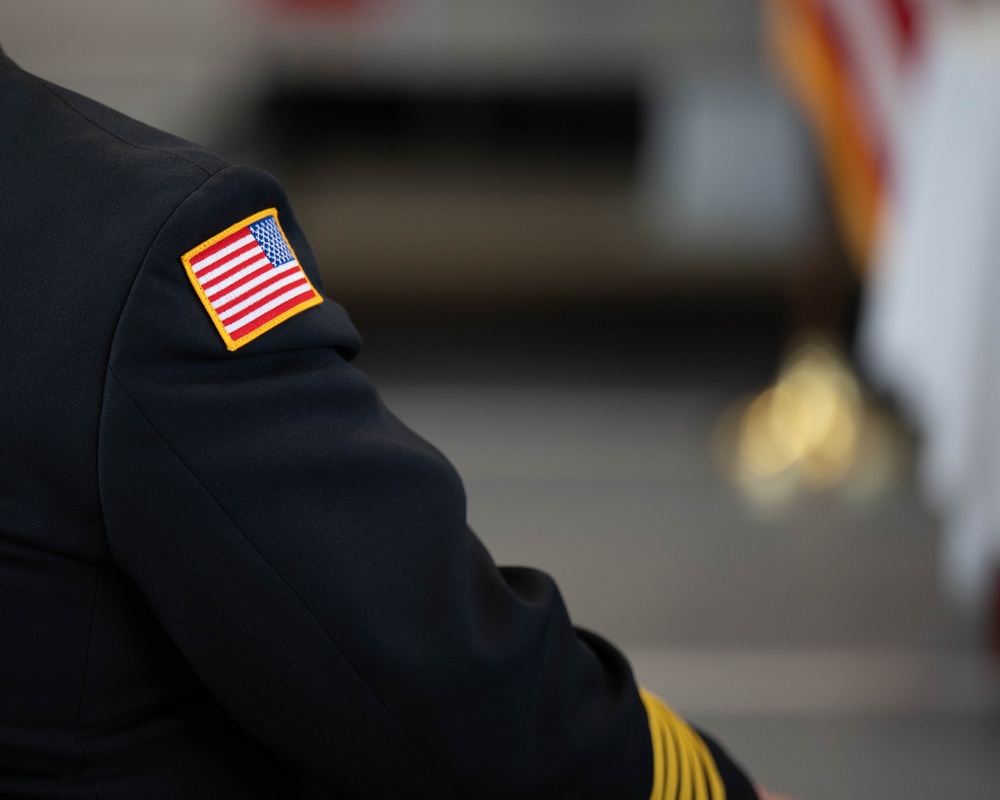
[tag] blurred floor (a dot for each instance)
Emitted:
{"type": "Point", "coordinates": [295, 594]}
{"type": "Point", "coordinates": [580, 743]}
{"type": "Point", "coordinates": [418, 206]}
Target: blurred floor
{"type": "Point", "coordinates": [812, 640]}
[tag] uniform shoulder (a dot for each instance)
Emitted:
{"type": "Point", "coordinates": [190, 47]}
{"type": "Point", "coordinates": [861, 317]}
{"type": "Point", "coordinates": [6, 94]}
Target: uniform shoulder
{"type": "Point", "coordinates": [29, 103]}
{"type": "Point", "coordinates": [85, 192]}
{"type": "Point", "coordinates": [138, 135]}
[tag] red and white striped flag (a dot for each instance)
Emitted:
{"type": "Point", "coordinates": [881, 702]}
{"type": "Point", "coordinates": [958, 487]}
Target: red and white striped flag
{"type": "Point", "coordinates": [249, 279]}
{"type": "Point", "coordinates": [850, 64]}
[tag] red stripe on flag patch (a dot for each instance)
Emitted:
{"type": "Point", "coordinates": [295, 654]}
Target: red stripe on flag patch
{"type": "Point", "coordinates": [242, 307]}
{"type": "Point", "coordinates": [249, 279]}
{"type": "Point", "coordinates": [229, 244]}
{"type": "Point", "coordinates": [238, 277]}
{"type": "Point", "coordinates": [253, 283]}
{"type": "Point", "coordinates": [272, 314]}
{"type": "Point", "coordinates": [213, 272]}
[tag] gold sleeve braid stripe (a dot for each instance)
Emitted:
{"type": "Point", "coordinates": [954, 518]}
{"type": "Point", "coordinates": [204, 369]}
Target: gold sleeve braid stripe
{"type": "Point", "coordinates": [683, 768]}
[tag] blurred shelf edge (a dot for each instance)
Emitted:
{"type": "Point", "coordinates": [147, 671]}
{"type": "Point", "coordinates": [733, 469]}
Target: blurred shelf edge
{"type": "Point", "coordinates": [703, 186]}
{"type": "Point", "coordinates": [454, 243]}
{"type": "Point", "coordinates": [524, 43]}
{"type": "Point", "coordinates": [645, 151]}
{"type": "Point", "coordinates": [156, 60]}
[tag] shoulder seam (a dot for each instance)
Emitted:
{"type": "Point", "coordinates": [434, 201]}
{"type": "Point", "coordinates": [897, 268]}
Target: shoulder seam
{"type": "Point", "coordinates": [51, 90]}
{"type": "Point", "coordinates": [291, 588]}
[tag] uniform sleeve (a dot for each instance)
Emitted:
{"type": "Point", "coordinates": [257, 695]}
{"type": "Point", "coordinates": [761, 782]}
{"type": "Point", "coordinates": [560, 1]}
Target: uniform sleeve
{"type": "Point", "coordinates": [310, 557]}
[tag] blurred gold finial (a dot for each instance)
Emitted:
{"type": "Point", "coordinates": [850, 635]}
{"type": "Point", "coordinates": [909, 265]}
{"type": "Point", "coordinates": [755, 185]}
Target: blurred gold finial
{"type": "Point", "coordinates": [811, 430]}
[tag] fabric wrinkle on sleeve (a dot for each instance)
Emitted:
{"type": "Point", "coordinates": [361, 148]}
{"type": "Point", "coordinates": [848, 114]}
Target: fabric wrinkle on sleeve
{"type": "Point", "coordinates": [291, 588]}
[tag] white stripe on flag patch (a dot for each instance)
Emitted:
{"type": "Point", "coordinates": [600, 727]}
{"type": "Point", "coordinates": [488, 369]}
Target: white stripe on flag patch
{"type": "Point", "coordinates": [235, 326]}
{"type": "Point", "coordinates": [230, 263]}
{"type": "Point", "coordinates": [236, 277]}
{"type": "Point", "coordinates": [257, 296]}
{"type": "Point", "coordinates": [225, 251]}
{"type": "Point", "coordinates": [243, 288]}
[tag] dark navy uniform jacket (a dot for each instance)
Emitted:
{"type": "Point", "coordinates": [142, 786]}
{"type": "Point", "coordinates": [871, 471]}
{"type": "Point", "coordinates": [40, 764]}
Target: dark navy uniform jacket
{"type": "Point", "coordinates": [220, 570]}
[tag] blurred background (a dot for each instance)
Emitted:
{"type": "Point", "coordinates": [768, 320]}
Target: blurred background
{"type": "Point", "coordinates": [623, 263]}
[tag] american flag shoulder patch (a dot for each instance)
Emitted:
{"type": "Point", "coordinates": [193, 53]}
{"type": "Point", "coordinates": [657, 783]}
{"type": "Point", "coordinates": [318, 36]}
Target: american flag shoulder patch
{"type": "Point", "coordinates": [249, 279]}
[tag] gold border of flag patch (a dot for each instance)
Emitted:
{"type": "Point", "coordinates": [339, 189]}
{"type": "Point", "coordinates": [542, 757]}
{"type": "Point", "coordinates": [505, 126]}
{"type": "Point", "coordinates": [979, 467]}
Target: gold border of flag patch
{"type": "Point", "coordinates": [235, 344]}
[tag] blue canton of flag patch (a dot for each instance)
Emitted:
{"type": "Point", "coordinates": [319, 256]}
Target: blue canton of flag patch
{"type": "Point", "coordinates": [271, 241]}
